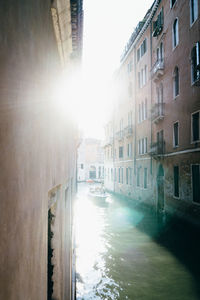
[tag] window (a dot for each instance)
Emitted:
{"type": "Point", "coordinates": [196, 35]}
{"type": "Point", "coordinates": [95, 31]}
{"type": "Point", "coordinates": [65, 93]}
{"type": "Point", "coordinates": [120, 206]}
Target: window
{"type": "Point", "coordinates": [145, 178]}
{"type": "Point", "coordinates": [193, 11]}
{"type": "Point", "coordinates": [142, 49]}
{"type": "Point", "coordinates": [138, 176]}
{"type": "Point", "coordinates": [115, 176]}
{"type": "Point", "coordinates": [130, 66]}
{"type": "Point", "coordinates": [176, 181]}
{"type": "Point", "coordinates": [119, 176]}
{"type": "Point", "coordinates": [142, 111]}
{"type": "Point", "coordinates": [158, 24]}
{"type": "Point", "coordinates": [145, 74]}
{"type": "Point", "coordinates": [195, 63]}
{"type": "Point", "coordinates": [160, 142]}
{"type": "Point", "coordinates": [196, 183]}
{"type": "Point", "coordinates": [145, 109]}
{"type": "Point", "coordinates": [82, 166]}
{"type": "Point", "coordinates": [111, 174]}
{"type": "Point", "coordinates": [138, 54]}
{"type": "Point", "coordinates": [139, 113]}
{"type": "Point", "coordinates": [99, 172]}
{"type": "Point", "coordinates": [129, 150]}
{"type": "Point", "coordinates": [142, 77]}
{"type": "Point", "coordinates": [120, 152]}
{"type": "Point", "coordinates": [130, 176]}
{"type": "Point", "coordinates": [122, 175]}
{"type": "Point", "coordinates": [139, 83]}
{"type": "Point", "coordinates": [145, 145]}
{"type": "Point", "coordinates": [176, 82]}
{"type": "Point", "coordinates": [159, 52]}
{"type": "Point", "coordinates": [195, 126]}
{"type": "Point", "coordinates": [172, 2]}
{"type": "Point", "coordinates": [175, 33]}
{"type": "Point", "coordinates": [142, 146]}
{"type": "Point", "coordinates": [176, 134]}
{"type": "Point", "coordinates": [126, 175]}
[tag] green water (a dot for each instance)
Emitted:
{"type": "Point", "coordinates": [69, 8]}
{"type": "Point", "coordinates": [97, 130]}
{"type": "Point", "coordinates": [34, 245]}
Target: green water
{"type": "Point", "coordinates": [123, 252]}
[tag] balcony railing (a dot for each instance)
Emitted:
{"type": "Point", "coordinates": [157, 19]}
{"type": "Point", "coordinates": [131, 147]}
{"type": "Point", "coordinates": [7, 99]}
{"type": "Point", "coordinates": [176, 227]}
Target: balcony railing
{"type": "Point", "coordinates": [157, 148]}
{"type": "Point", "coordinates": [158, 112]}
{"type": "Point", "coordinates": [158, 69]}
{"type": "Point", "coordinates": [128, 131]}
{"type": "Point", "coordinates": [120, 135]}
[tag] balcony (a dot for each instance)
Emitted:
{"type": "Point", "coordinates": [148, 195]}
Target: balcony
{"type": "Point", "coordinates": [158, 69]}
{"type": "Point", "coordinates": [128, 131]}
{"type": "Point", "coordinates": [157, 112]}
{"type": "Point", "coordinates": [120, 135]}
{"type": "Point", "coordinates": [157, 149]}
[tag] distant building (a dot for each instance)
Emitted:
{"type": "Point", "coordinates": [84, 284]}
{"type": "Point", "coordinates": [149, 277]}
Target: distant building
{"type": "Point", "coordinates": [158, 81]}
{"type": "Point", "coordinates": [90, 160]}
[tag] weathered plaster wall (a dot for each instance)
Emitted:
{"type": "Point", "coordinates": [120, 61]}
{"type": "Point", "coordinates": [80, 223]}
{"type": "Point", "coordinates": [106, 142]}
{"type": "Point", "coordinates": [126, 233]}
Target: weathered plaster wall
{"type": "Point", "coordinates": [37, 146]}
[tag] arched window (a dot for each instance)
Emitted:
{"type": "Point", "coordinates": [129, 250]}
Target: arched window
{"type": "Point", "coordinates": [193, 11]}
{"type": "Point", "coordinates": [172, 2]}
{"type": "Point", "coordinates": [176, 82]}
{"type": "Point", "coordinates": [161, 93]}
{"type": "Point", "coordinates": [175, 33]}
{"type": "Point", "coordinates": [195, 63]}
{"type": "Point", "coordinates": [161, 51]}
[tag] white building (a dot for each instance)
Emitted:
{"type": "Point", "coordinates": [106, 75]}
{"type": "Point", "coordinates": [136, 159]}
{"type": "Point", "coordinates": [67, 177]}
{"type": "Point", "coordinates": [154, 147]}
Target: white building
{"type": "Point", "coordinates": [90, 160]}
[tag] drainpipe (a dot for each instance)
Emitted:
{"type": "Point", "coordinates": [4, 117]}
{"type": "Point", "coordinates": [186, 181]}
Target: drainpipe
{"type": "Point", "coordinates": [135, 112]}
{"type": "Point", "coordinates": [151, 167]}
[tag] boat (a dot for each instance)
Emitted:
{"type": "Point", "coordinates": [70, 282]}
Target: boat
{"type": "Point", "coordinates": [98, 193]}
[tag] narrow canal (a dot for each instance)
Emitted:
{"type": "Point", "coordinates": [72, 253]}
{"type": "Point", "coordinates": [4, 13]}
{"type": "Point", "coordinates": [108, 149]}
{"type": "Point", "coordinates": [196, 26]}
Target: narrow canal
{"type": "Point", "coordinates": [124, 253]}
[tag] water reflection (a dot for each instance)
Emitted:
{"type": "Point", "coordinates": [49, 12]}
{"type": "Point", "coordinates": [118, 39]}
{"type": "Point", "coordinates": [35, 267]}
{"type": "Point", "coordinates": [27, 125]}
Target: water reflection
{"type": "Point", "coordinates": [121, 254]}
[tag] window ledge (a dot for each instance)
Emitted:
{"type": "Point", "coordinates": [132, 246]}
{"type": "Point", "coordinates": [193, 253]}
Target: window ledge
{"type": "Point", "coordinates": [195, 142]}
{"type": "Point", "coordinates": [175, 97]}
{"type": "Point", "coordinates": [191, 24]}
{"type": "Point", "coordinates": [173, 49]}
{"type": "Point", "coordinates": [175, 197]}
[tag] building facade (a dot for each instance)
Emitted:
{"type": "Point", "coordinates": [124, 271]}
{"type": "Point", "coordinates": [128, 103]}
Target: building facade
{"type": "Point", "coordinates": [38, 151]}
{"type": "Point", "coordinates": [164, 54]}
{"type": "Point", "coordinates": [90, 160]}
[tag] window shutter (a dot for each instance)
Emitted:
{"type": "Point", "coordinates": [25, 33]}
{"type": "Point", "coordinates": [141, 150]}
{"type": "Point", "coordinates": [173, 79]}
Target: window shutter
{"type": "Point", "coordinates": [197, 53]}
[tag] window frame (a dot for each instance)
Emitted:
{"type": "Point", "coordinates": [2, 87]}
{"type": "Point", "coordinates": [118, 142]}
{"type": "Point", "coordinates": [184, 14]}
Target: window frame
{"type": "Point", "coordinates": [146, 181]}
{"type": "Point", "coordinates": [174, 145]}
{"type": "Point", "coordinates": [192, 140]}
{"type": "Point", "coordinates": [172, 5]}
{"type": "Point", "coordinates": [197, 164]}
{"type": "Point", "coordinates": [173, 34]}
{"type": "Point", "coordinates": [192, 22]}
{"type": "Point", "coordinates": [174, 82]}
{"type": "Point", "coordinates": [176, 166]}
{"type": "Point", "coordinates": [197, 50]}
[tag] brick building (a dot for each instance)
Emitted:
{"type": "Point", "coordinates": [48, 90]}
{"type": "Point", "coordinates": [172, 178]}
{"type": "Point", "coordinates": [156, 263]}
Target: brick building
{"type": "Point", "coordinates": [165, 75]}
{"type": "Point", "coordinates": [38, 149]}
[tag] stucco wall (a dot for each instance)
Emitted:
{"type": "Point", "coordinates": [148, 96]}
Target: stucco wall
{"type": "Point", "coordinates": [38, 146]}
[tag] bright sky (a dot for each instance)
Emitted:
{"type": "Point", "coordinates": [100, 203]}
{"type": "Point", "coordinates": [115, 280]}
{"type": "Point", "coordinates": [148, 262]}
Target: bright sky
{"type": "Point", "coordinates": [108, 24]}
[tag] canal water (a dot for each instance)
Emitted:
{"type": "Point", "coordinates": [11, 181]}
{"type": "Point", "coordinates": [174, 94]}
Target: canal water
{"type": "Point", "coordinates": [123, 252]}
